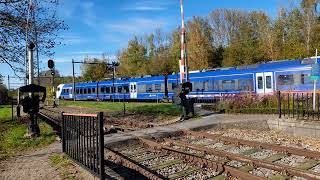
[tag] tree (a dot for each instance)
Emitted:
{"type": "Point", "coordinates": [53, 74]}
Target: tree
{"type": "Point", "coordinates": [96, 72]}
{"type": "Point", "coordinates": [16, 27]}
{"type": "Point", "coordinates": [46, 78]}
{"type": "Point", "coordinates": [133, 59]}
{"type": "Point", "coordinates": [199, 44]}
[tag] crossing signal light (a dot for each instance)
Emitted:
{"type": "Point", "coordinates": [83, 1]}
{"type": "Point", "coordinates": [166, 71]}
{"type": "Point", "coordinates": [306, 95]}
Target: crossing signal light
{"type": "Point", "coordinates": [50, 64]}
{"type": "Point", "coordinates": [52, 73]}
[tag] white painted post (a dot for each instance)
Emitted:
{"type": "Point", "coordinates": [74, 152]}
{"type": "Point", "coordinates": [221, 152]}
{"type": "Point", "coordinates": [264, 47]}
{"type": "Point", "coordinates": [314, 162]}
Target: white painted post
{"type": "Point", "coordinates": [315, 85]}
{"type": "Point", "coordinates": [30, 55]}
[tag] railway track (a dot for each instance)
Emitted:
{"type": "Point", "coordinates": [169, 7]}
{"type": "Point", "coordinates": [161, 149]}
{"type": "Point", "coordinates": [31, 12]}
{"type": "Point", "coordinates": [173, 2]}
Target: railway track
{"type": "Point", "coordinates": [194, 155]}
{"type": "Point", "coordinates": [200, 155]}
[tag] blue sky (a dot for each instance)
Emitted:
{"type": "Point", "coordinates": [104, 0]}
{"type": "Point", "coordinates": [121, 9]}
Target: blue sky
{"type": "Point", "coordinates": [101, 26]}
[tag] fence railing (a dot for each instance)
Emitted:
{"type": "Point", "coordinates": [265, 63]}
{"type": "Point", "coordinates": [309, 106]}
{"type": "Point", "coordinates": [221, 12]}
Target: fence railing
{"type": "Point", "coordinates": [82, 140]}
{"type": "Point", "coordinates": [299, 105]}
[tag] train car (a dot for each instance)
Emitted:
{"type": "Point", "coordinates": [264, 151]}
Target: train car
{"type": "Point", "coordinates": [265, 78]}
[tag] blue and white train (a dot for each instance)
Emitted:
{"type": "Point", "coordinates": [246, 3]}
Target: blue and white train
{"type": "Point", "coordinates": [265, 78]}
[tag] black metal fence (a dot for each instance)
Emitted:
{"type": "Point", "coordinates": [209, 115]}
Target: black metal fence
{"type": "Point", "coordinates": [304, 106]}
{"type": "Point", "coordinates": [82, 140]}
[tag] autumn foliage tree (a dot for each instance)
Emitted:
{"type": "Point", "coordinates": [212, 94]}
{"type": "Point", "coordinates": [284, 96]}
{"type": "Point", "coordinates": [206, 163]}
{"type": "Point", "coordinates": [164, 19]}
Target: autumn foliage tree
{"type": "Point", "coordinates": [227, 37]}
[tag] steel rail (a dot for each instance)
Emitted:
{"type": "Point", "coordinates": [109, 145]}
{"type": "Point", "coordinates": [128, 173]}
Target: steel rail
{"type": "Point", "coordinates": [241, 158]}
{"type": "Point", "coordinates": [217, 166]}
{"type": "Point", "coordinates": [289, 150]}
{"type": "Point", "coordinates": [133, 165]}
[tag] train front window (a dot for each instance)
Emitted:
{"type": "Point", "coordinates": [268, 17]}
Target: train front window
{"type": "Point", "coordinates": [268, 82]}
{"type": "Point", "coordinates": [260, 82]}
{"type": "Point", "coordinates": [285, 79]}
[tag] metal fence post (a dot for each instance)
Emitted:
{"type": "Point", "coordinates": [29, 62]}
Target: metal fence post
{"type": "Point", "coordinates": [279, 103]}
{"type": "Point", "coordinates": [101, 145]}
{"type": "Point", "coordinates": [63, 133]}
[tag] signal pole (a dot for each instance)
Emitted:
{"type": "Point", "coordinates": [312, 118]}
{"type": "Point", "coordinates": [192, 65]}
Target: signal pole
{"type": "Point", "coordinates": [184, 70]}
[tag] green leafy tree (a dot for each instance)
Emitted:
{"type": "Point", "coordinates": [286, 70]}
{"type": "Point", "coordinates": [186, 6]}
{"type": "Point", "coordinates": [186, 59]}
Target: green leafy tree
{"type": "Point", "coordinates": [97, 71]}
{"type": "Point", "coordinates": [133, 59]}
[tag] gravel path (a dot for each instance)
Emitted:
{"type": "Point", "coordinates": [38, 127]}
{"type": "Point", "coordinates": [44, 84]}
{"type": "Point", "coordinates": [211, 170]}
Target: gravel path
{"type": "Point", "coordinates": [36, 166]}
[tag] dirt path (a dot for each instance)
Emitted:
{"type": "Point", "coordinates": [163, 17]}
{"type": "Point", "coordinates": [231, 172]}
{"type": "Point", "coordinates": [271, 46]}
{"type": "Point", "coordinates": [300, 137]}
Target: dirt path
{"type": "Point", "coordinates": [36, 166]}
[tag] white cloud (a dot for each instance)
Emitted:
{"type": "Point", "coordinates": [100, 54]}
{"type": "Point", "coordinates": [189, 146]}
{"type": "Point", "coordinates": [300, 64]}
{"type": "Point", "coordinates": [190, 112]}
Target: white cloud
{"type": "Point", "coordinates": [72, 39]}
{"type": "Point", "coordinates": [136, 25]}
{"type": "Point", "coordinates": [89, 16]}
{"type": "Point", "coordinates": [147, 5]}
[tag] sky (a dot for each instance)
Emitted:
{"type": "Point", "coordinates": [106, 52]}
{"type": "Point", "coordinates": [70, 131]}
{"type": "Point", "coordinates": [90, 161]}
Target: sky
{"type": "Point", "coordinates": [105, 26]}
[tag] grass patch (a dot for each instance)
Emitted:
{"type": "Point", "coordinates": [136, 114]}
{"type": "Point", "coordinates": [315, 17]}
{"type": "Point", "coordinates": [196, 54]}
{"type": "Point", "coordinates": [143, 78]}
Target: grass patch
{"type": "Point", "coordinates": [12, 140]}
{"type": "Point", "coordinates": [157, 109]}
{"type": "Point", "coordinates": [63, 163]}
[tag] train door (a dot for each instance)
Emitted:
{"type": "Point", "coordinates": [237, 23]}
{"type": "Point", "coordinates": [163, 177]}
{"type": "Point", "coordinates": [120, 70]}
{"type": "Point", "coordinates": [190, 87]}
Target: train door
{"type": "Point", "coordinates": [70, 93]}
{"type": "Point", "coordinates": [133, 90]}
{"type": "Point", "coordinates": [264, 82]}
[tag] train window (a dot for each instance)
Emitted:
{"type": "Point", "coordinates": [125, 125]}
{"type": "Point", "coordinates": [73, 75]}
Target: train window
{"type": "Point", "coordinates": [198, 86]}
{"type": "Point", "coordinates": [245, 84]}
{"type": "Point", "coordinates": [305, 79]}
{"type": "Point", "coordinates": [260, 82]}
{"type": "Point", "coordinates": [102, 90]}
{"type": "Point", "coordinates": [93, 90]}
{"type": "Point", "coordinates": [81, 91]}
{"type": "Point", "coordinates": [77, 91]}
{"type": "Point", "coordinates": [285, 79]}
{"type": "Point", "coordinates": [126, 89]}
{"type": "Point", "coordinates": [157, 87]}
{"type": "Point", "coordinates": [217, 85]}
{"type": "Point", "coordinates": [149, 88]}
{"type": "Point", "coordinates": [205, 85]}
{"type": "Point", "coordinates": [119, 89]}
{"type": "Point", "coordinates": [108, 90]}
{"type": "Point", "coordinates": [142, 88]}
{"type": "Point", "coordinates": [210, 85]}
{"type": "Point", "coordinates": [89, 91]}
{"type": "Point", "coordinates": [85, 91]}
{"type": "Point", "coordinates": [268, 82]}
{"type": "Point", "coordinates": [228, 84]}
{"type": "Point", "coordinates": [174, 85]}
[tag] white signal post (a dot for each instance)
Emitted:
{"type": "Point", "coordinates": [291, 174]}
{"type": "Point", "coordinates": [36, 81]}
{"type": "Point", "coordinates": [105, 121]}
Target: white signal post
{"type": "Point", "coordinates": [184, 71]}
